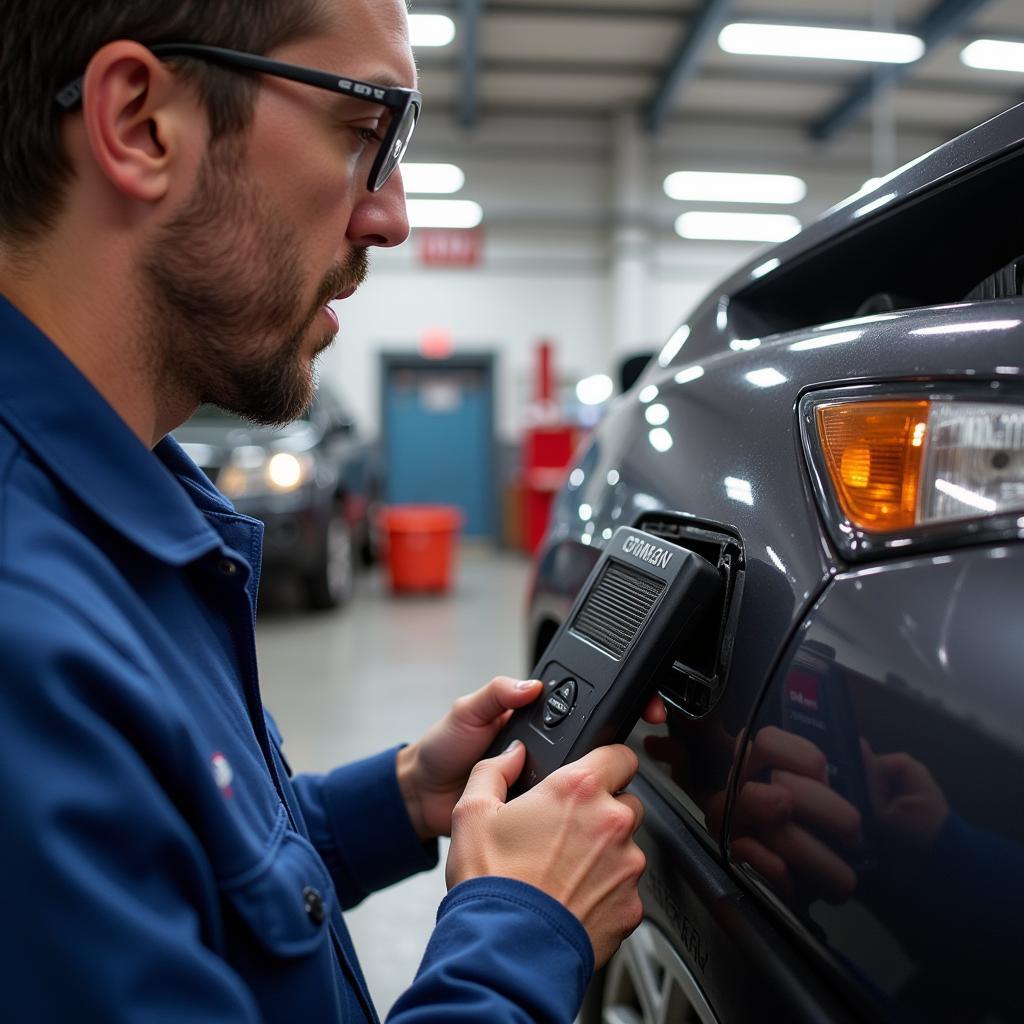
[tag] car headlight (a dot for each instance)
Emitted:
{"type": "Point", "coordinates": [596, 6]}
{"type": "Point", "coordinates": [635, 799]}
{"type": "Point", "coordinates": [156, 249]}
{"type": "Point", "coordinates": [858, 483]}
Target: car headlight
{"type": "Point", "coordinates": [248, 476]}
{"type": "Point", "coordinates": [899, 469]}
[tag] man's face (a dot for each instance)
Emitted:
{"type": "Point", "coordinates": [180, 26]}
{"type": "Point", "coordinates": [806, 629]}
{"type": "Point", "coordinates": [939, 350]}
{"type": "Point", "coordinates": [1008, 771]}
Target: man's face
{"type": "Point", "coordinates": [278, 223]}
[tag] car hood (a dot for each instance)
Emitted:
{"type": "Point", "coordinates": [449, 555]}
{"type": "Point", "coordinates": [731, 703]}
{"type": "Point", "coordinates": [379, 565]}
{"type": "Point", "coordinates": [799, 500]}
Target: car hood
{"type": "Point", "coordinates": [212, 444]}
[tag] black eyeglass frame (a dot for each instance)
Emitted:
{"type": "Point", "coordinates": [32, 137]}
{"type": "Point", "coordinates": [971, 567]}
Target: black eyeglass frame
{"type": "Point", "coordinates": [403, 102]}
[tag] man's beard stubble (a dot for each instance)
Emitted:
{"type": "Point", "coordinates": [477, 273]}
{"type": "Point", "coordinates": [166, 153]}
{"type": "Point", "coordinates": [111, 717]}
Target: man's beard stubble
{"type": "Point", "coordinates": [224, 283]}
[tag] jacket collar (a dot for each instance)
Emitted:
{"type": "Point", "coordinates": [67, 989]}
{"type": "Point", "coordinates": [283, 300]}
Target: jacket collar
{"type": "Point", "coordinates": [80, 439]}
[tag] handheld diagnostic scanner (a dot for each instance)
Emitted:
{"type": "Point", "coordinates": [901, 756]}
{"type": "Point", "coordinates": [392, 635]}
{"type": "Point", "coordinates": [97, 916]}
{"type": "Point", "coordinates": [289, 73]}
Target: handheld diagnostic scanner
{"type": "Point", "coordinates": [639, 601]}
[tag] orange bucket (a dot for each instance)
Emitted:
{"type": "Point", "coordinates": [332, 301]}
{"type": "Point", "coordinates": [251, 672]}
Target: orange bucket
{"type": "Point", "coordinates": [420, 545]}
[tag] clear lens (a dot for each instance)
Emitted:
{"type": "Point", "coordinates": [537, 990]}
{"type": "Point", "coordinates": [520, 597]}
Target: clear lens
{"type": "Point", "coordinates": [397, 146]}
{"type": "Point", "coordinates": [974, 461]}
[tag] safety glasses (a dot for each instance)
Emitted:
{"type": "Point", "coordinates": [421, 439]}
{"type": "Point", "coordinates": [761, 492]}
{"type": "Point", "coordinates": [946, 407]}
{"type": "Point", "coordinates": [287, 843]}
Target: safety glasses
{"type": "Point", "coordinates": [403, 105]}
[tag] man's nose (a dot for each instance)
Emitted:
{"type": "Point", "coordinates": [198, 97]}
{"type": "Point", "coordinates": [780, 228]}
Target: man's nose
{"type": "Point", "coordinates": [380, 218]}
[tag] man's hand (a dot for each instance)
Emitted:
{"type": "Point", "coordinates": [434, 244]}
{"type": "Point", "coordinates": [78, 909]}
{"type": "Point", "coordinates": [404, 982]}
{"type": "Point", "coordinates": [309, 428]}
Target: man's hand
{"type": "Point", "coordinates": [778, 824]}
{"type": "Point", "coordinates": [433, 772]}
{"type": "Point", "coordinates": [570, 836]}
{"type": "Point", "coordinates": [909, 805]}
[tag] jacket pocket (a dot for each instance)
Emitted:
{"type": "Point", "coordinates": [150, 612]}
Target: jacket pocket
{"type": "Point", "coordinates": [286, 898]}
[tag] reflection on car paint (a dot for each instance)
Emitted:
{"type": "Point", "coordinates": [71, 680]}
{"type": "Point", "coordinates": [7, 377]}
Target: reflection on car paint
{"type": "Point", "coordinates": [885, 813]}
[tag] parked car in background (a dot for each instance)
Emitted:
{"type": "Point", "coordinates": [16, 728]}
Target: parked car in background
{"type": "Point", "coordinates": [314, 484]}
{"type": "Point", "coordinates": [835, 808]}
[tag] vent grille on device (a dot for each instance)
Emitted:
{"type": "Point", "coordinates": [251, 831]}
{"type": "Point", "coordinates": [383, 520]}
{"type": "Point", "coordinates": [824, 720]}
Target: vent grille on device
{"type": "Point", "coordinates": [616, 608]}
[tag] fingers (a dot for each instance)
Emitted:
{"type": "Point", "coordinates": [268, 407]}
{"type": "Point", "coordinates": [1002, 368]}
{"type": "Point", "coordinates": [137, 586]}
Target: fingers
{"type": "Point", "coordinates": [819, 869]}
{"type": "Point", "coordinates": [770, 866]}
{"type": "Point", "coordinates": [488, 703]}
{"type": "Point", "coordinates": [774, 748]}
{"type": "Point", "coordinates": [609, 768]}
{"type": "Point", "coordinates": [655, 713]}
{"type": "Point", "coordinates": [490, 779]}
{"type": "Point", "coordinates": [760, 806]}
{"type": "Point", "coordinates": [821, 807]}
{"type": "Point", "coordinates": [634, 804]}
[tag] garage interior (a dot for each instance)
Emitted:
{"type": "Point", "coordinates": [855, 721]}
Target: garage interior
{"type": "Point", "coordinates": [469, 343]}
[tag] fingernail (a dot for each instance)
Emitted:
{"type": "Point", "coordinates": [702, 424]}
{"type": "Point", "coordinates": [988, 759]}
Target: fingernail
{"type": "Point", "coordinates": [526, 684]}
{"type": "Point", "coordinates": [512, 747]}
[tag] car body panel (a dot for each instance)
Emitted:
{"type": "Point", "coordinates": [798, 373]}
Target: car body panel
{"type": "Point", "coordinates": [928, 654]}
{"type": "Point", "coordinates": [720, 933]}
{"type": "Point", "coordinates": [755, 480]}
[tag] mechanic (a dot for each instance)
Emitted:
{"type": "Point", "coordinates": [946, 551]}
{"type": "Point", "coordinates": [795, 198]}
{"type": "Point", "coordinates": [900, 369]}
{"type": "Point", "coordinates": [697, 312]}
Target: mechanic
{"type": "Point", "coordinates": [173, 223]}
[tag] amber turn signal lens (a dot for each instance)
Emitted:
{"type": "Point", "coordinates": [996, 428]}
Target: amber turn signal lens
{"type": "Point", "coordinates": [874, 452]}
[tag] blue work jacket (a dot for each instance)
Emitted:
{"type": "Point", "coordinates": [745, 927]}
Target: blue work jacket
{"type": "Point", "coordinates": [158, 861]}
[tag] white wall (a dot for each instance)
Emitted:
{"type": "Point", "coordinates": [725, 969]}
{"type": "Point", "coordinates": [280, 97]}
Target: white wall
{"type": "Point", "coordinates": [505, 307]}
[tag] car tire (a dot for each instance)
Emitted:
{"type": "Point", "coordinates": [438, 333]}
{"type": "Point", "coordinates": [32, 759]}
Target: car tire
{"type": "Point", "coordinates": [645, 982]}
{"type": "Point", "coordinates": [331, 583]}
{"type": "Point", "coordinates": [369, 542]}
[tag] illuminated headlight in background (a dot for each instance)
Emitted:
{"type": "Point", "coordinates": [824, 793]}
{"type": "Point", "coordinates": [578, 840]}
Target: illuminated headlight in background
{"type": "Point", "coordinates": [284, 471]}
{"type": "Point", "coordinates": [280, 473]}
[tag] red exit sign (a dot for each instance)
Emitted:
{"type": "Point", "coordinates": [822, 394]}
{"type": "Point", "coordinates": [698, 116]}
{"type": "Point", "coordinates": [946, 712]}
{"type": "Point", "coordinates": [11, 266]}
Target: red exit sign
{"type": "Point", "coordinates": [450, 247]}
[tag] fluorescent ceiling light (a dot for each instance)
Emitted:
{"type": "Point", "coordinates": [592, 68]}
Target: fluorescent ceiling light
{"type": "Point", "coordinates": [839, 338]}
{"type": "Point", "coordinates": [435, 178]}
{"type": "Point", "coordinates": [994, 55]}
{"type": "Point", "coordinates": [595, 390]}
{"type": "Point", "coordinates": [820, 43]}
{"type": "Point", "coordinates": [673, 345]}
{"type": "Point", "coordinates": [739, 490]}
{"type": "Point", "coordinates": [690, 373]}
{"type": "Point", "coordinates": [769, 377]}
{"type": "Point", "coordinates": [660, 438]}
{"type": "Point", "coordinates": [737, 227]}
{"type": "Point", "coordinates": [730, 187]}
{"type": "Point", "coordinates": [875, 204]}
{"type": "Point", "coordinates": [765, 268]}
{"type": "Point", "coordinates": [443, 213]}
{"type": "Point", "coordinates": [430, 30]}
{"type": "Point", "coordinates": [983, 325]}
{"type": "Point", "coordinates": [657, 414]}
{"type": "Point", "coordinates": [977, 501]}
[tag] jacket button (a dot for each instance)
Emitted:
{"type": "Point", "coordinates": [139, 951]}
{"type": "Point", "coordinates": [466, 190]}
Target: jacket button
{"type": "Point", "coordinates": [227, 567]}
{"type": "Point", "coordinates": [314, 905]}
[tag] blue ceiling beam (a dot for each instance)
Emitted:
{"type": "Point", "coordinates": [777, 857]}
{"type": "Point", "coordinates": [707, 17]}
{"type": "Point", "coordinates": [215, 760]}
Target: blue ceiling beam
{"type": "Point", "coordinates": [946, 19]}
{"type": "Point", "coordinates": [685, 62]}
{"type": "Point", "coordinates": [469, 69]}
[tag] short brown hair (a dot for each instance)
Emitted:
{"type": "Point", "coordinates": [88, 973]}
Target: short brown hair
{"type": "Point", "coordinates": [44, 44]}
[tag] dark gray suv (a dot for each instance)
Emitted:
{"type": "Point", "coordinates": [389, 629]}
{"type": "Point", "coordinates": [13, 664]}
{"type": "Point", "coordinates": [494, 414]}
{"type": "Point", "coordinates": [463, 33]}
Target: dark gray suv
{"type": "Point", "coordinates": [835, 807]}
{"type": "Point", "coordinates": [313, 483]}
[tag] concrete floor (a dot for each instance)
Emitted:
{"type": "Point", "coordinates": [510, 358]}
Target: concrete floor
{"type": "Point", "coordinates": [378, 672]}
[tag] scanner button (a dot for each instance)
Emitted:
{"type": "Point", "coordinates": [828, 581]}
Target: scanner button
{"type": "Point", "coordinates": [560, 703]}
{"type": "Point", "coordinates": [567, 692]}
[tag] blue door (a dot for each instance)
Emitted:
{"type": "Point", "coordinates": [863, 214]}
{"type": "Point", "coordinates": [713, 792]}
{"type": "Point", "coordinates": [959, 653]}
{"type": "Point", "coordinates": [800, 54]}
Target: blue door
{"type": "Point", "coordinates": [439, 441]}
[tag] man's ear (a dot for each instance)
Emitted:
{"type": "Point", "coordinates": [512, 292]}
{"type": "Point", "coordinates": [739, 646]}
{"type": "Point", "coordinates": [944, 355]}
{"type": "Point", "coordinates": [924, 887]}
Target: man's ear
{"type": "Point", "coordinates": [134, 119]}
